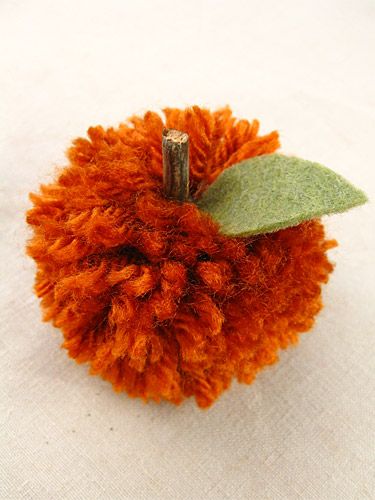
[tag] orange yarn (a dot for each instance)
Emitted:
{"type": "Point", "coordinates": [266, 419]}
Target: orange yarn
{"type": "Point", "coordinates": [147, 290]}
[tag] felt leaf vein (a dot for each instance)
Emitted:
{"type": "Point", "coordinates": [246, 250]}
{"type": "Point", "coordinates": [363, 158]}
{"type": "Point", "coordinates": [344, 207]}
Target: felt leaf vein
{"type": "Point", "coordinates": [272, 192]}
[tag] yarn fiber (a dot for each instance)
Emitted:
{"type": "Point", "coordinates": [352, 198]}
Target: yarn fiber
{"type": "Point", "coordinates": [146, 290]}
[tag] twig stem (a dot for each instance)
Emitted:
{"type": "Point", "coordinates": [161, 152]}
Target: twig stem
{"type": "Point", "coordinates": [175, 146]}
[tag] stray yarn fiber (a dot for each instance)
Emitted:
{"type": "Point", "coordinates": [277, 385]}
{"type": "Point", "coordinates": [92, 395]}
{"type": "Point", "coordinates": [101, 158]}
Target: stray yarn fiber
{"type": "Point", "coordinates": [147, 290]}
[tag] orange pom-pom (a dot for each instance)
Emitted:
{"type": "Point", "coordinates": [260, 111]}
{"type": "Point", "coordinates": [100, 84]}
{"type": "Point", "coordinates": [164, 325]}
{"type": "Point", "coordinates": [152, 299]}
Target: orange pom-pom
{"type": "Point", "coordinates": [146, 289]}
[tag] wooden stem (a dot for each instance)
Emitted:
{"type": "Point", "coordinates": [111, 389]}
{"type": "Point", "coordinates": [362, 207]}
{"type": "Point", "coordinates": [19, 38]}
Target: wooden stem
{"type": "Point", "coordinates": [175, 147]}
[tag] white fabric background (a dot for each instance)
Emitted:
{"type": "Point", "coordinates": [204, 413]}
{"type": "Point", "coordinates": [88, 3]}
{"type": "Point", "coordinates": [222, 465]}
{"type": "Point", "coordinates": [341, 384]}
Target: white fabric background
{"type": "Point", "coordinates": [305, 428]}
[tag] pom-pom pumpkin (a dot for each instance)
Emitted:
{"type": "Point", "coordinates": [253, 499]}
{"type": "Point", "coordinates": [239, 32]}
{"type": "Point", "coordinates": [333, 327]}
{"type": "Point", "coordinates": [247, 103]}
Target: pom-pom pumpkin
{"type": "Point", "coordinates": [147, 290]}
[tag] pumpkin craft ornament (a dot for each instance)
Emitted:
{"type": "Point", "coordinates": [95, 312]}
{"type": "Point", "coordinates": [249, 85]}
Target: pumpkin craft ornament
{"type": "Point", "coordinates": [178, 253]}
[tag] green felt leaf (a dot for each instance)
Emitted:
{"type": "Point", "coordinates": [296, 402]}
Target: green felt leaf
{"type": "Point", "coordinates": [272, 192]}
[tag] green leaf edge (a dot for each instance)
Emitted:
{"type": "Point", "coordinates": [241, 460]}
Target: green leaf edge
{"type": "Point", "coordinates": [294, 221]}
